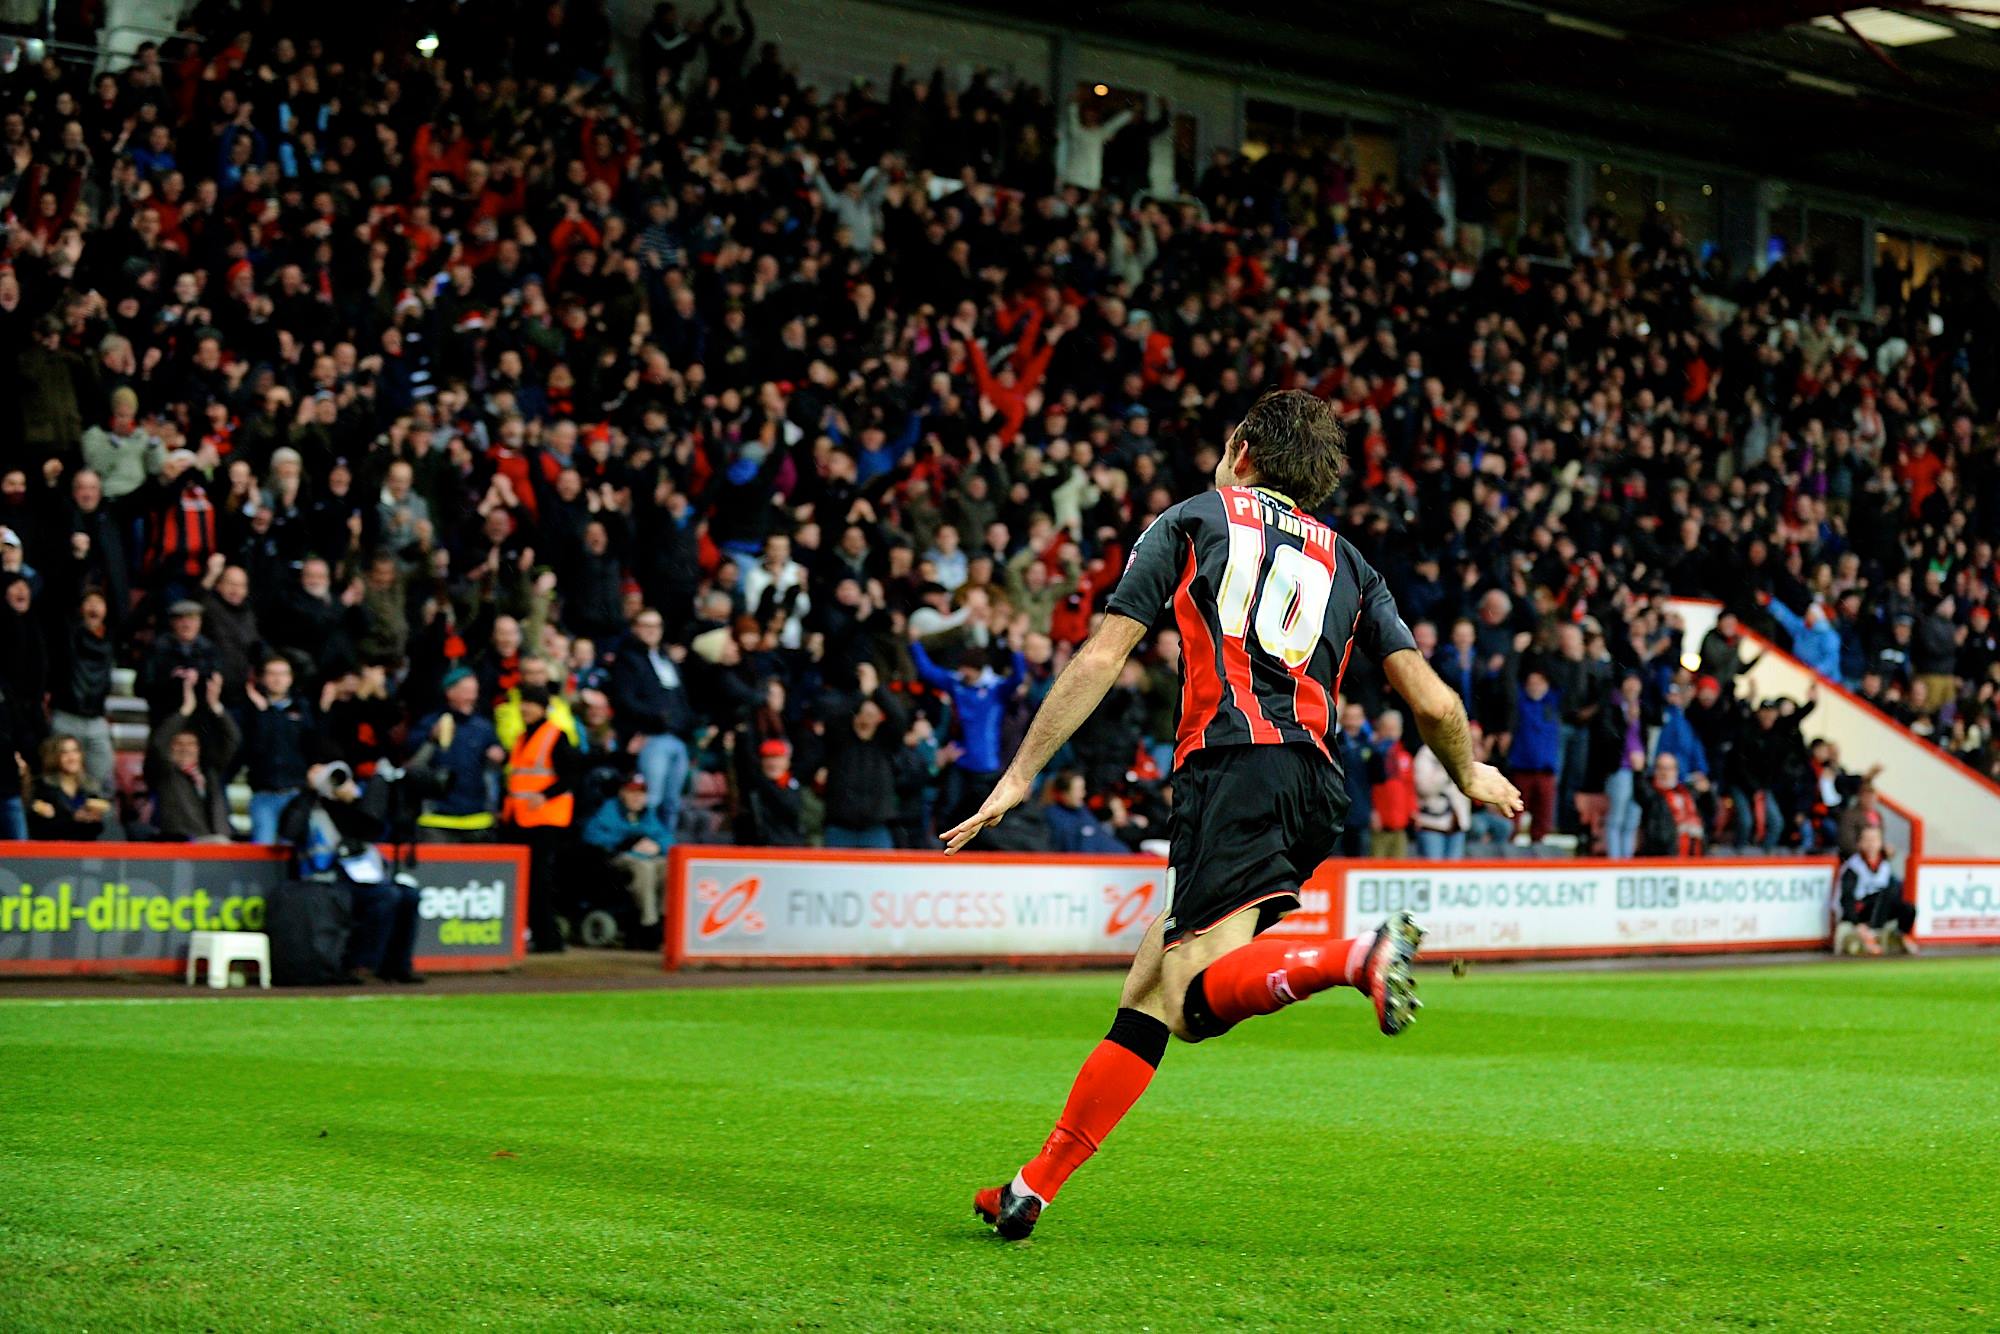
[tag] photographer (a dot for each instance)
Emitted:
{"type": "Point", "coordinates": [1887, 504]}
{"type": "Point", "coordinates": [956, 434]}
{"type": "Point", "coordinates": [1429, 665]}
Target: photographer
{"type": "Point", "coordinates": [331, 827]}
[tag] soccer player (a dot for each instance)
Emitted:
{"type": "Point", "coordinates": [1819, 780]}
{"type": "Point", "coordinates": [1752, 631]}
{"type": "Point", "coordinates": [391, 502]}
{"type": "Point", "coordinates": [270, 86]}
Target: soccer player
{"type": "Point", "coordinates": [1269, 603]}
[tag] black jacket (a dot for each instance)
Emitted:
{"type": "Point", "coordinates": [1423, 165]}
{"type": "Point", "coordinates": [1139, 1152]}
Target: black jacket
{"type": "Point", "coordinates": [275, 743]}
{"type": "Point", "coordinates": [161, 685]}
{"type": "Point", "coordinates": [236, 636]}
{"type": "Point", "coordinates": [359, 822]}
{"type": "Point", "coordinates": [320, 628]}
{"type": "Point", "coordinates": [10, 746]}
{"type": "Point", "coordinates": [81, 680]}
{"type": "Point", "coordinates": [103, 565]}
{"type": "Point", "coordinates": [861, 775]}
{"type": "Point", "coordinates": [62, 822]}
{"type": "Point", "coordinates": [641, 703]}
{"type": "Point", "coordinates": [1109, 738]}
{"type": "Point", "coordinates": [593, 594]}
{"type": "Point", "coordinates": [24, 674]}
{"type": "Point", "coordinates": [1659, 835]}
{"type": "Point", "coordinates": [767, 812]}
{"type": "Point", "coordinates": [1607, 739]}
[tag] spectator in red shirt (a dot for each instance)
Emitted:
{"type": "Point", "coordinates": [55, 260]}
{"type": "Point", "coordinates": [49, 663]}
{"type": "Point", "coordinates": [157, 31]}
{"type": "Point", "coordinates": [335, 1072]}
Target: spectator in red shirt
{"type": "Point", "coordinates": [1393, 777]}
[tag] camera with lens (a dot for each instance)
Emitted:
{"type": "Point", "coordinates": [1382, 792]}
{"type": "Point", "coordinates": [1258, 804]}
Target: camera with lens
{"type": "Point", "coordinates": [329, 780]}
{"type": "Point", "coordinates": [414, 784]}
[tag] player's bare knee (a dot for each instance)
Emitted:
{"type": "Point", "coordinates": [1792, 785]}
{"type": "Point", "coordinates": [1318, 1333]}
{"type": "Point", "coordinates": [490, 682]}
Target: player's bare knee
{"type": "Point", "coordinates": [1176, 1019]}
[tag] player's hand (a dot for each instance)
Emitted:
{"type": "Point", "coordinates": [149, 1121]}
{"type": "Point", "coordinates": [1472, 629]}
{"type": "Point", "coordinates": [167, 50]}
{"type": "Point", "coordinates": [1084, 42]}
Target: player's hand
{"type": "Point", "coordinates": [1484, 783]}
{"type": "Point", "coordinates": [1006, 795]}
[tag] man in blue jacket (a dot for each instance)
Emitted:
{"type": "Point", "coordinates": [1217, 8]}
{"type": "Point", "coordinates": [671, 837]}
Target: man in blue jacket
{"type": "Point", "coordinates": [628, 829]}
{"type": "Point", "coordinates": [1815, 641]}
{"type": "Point", "coordinates": [1537, 749]}
{"type": "Point", "coordinates": [1073, 826]}
{"type": "Point", "coordinates": [460, 742]}
{"type": "Point", "coordinates": [1678, 737]}
{"type": "Point", "coordinates": [1357, 752]}
{"type": "Point", "coordinates": [979, 697]}
{"type": "Point", "coordinates": [1853, 637]}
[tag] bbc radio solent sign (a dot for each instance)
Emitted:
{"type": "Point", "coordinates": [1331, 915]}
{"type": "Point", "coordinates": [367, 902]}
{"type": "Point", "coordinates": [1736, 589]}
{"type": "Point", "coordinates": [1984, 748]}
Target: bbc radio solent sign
{"type": "Point", "coordinates": [798, 907]}
{"type": "Point", "coordinates": [1609, 907]}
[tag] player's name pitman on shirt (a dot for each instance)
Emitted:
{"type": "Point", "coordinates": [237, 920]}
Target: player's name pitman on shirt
{"type": "Point", "coordinates": [1269, 603]}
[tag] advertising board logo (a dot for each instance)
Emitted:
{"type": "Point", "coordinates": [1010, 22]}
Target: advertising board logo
{"type": "Point", "coordinates": [1127, 907]}
{"type": "Point", "coordinates": [470, 914]}
{"type": "Point", "coordinates": [1971, 896]}
{"type": "Point", "coordinates": [1375, 894]}
{"type": "Point", "coordinates": [1649, 893]}
{"type": "Point", "coordinates": [729, 907]}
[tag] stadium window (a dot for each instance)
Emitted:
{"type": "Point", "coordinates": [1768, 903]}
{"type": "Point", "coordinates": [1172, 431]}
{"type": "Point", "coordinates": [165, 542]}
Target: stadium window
{"type": "Point", "coordinates": [1836, 246]}
{"type": "Point", "coordinates": [1488, 187]}
{"type": "Point", "coordinates": [1892, 268]}
{"type": "Point", "coordinates": [1694, 208]}
{"type": "Point", "coordinates": [1903, 264]}
{"type": "Point", "coordinates": [1624, 197]}
{"type": "Point", "coordinates": [1110, 99]}
{"type": "Point", "coordinates": [1350, 154]}
{"type": "Point", "coordinates": [1376, 156]}
{"type": "Point", "coordinates": [1267, 124]}
{"type": "Point", "coordinates": [1785, 234]}
{"type": "Point", "coordinates": [1546, 205]}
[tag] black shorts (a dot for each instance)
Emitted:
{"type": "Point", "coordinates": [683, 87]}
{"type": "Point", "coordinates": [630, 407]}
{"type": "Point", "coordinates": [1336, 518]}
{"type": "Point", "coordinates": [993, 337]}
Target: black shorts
{"type": "Point", "coordinates": [1250, 823]}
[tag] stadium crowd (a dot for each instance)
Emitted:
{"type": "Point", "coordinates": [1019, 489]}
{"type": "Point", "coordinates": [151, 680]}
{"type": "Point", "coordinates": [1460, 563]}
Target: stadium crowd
{"type": "Point", "coordinates": [729, 458]}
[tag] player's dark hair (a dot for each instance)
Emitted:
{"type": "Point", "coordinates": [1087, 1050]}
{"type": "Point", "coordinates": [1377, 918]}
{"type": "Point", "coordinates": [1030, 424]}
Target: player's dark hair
{"type": "Point", "coordinates": [1296, 444]}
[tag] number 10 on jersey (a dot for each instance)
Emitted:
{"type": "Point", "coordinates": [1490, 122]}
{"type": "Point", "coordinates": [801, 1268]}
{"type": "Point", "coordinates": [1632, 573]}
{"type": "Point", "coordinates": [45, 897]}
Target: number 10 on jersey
{"type": "Point", "coordinates": [1291, 610]}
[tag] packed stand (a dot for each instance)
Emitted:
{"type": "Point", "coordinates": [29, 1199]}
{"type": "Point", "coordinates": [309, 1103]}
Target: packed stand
{"type": "Point", "coordinates": [732, 460]}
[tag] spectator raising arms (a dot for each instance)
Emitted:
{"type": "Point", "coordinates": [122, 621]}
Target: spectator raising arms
{"type": "Point", "coordinates": [190, 751]}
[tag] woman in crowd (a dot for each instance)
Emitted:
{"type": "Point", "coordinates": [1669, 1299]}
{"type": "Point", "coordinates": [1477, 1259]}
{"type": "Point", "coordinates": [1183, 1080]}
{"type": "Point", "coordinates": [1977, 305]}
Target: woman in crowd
{"type": "Point", "coordinates": [63, 803]}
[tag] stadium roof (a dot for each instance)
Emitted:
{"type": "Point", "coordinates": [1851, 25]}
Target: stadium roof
{"type": "Point", "coordinates": [1900, 103]}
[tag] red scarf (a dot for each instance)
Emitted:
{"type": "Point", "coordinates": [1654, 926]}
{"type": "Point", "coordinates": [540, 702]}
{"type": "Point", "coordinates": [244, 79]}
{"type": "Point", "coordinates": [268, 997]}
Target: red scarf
{"type": "Point", "coordinates": [1687, 820]}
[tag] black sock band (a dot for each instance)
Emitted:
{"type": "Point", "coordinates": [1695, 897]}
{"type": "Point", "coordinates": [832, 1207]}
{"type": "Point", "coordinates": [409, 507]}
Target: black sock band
{"type": "Point", "coordinates": [1141, 1034]}
{"type": "Point", "coordinates": [1196, 1016]}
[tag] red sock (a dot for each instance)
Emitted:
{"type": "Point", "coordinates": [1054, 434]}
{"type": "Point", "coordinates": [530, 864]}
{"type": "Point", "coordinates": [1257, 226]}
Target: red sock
{"type": "Point", "coordinates": [1271, 973]}
{"type": "Point", "coordinates": [1112, 1078]}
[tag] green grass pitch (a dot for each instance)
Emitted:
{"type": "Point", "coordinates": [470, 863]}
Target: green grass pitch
{"type": "Point", "coordinates": [1807, 1146]}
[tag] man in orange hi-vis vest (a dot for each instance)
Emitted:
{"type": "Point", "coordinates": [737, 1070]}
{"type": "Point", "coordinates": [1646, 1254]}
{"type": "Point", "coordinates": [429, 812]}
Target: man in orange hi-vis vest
{"type": "Point", "coordinates": [540, 810]}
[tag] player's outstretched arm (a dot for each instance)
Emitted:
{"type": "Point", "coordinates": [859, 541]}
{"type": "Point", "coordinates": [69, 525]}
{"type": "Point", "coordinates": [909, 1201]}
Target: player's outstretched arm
{"type": "Point", "coordinates": [1076, 692]}
{"type": "Point", "coordinates": [1441, 719]}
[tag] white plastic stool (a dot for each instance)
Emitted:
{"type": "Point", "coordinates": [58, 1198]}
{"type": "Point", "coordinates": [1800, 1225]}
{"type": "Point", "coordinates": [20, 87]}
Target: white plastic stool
{"type": "Point", "coordinates": [223, 948]}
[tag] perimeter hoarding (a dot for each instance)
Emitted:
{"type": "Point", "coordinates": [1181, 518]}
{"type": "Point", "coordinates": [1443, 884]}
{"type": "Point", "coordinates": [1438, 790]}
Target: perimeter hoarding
{"type": "Point", "coordinates": [129, 907]}
{"type": "Point", "coordinates": [731, 906]}
{"type": "Point", "coordinates": [806, 908]}
{"type": "Point", "coordinates": [1958, 902]}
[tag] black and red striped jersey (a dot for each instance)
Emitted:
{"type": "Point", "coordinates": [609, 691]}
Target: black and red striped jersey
{"type": "Point", "coordinates": [1270, 603]}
